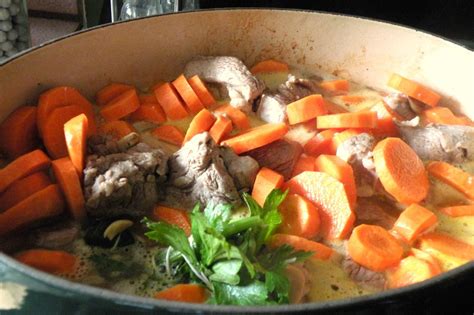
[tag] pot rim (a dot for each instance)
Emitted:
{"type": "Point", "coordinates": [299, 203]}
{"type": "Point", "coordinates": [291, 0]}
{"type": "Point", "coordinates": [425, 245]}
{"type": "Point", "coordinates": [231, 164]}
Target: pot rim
{"type": "Point", "coordinates": [150, 303]}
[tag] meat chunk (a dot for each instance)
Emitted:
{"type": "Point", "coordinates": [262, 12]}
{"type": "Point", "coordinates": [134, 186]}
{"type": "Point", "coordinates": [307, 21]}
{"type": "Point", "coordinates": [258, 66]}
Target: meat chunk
{"type": "Point", "coordinates": [243, 169]}
{"type": "Point", "coordinates": [242, 87]}
{"type": "Point", "coordinates": [363, 276]}
{"type": "Point", "coordinates": [272, 106]}
{"type": "Point", "coordinates": [103, 145]}
{"type": "Point", "coordinates": [280, 156]}
{"type": "Point", "coordinates": [55, 236]}
{"type": "Point", "coordinates": [300, 282]}
{"type": "Point", "coordinates": [376, 211]}
{"type": "Point", "coordinates": [400, 104]}
{"type": "Point", "coordinates": [124, 183]}
{"type": "Point", "coordinates": [450, 143]}
{"type": "Point", "coordinates": [198, 174]}
{"type": "Point", "coordinates": [357, 151]}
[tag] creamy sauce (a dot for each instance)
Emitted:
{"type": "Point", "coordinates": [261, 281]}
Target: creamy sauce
{"type": "Point", "coordinates": [139, 275]}
{"type": "Point", "coordinates": [330, 281]}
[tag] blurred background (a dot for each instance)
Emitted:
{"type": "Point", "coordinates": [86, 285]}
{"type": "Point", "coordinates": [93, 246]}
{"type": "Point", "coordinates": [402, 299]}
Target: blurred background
{"type": "Point", "coordinates": [26, 23]}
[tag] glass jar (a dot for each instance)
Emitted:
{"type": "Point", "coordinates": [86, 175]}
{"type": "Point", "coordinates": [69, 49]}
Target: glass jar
{"type": "Point", "coordinates": [133, 9]}
{"type": "Point", "coordinates": [14, 31]}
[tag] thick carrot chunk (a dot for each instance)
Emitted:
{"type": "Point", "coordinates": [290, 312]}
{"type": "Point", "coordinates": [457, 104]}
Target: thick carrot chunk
{"type": "Point", "coordinates": [265, 182]}
{"type": "Point", "coordinates": [329, 195]}
{"type": "Point", "coordinates": [300, 217]}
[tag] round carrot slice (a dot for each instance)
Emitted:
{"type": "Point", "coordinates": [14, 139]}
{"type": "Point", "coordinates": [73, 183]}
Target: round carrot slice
{"type": "Point", "coordinates": [374, 247]}
{"type": "Point", "coordinates": [53, 131]}
{"type": "Point", "coordinates": [401, 171]}
{"type": "Point", "coordinates": [190, 293]}
{"type": "Point", "coordinates": [52, 261]}
{"type": "Point", "coordinates": [63, 96]}
{"type": "Point", "coordinates": [18, 132]}
{"type": "Point", "coordinates": [410, 270]}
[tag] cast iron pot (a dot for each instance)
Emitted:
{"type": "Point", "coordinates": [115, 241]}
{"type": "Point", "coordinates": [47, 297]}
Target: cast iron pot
{"type": "Point", "coordinates": [143, 51]}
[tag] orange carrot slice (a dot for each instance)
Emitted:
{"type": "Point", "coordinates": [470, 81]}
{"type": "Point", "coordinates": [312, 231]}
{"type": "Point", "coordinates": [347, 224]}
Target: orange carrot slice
{"type": "Point", "coordinates": [189, 293]}
{"type": "Point", "coordinates": [51, 261]}
{"type": "Point", "coordinates": [409, 271]}
{"type": "Point", "coordinates": [299, 243]}
{"type": "Point", "coordinates": [173, 216]}
{"type": "Point", "coordinates": [221, 129]}
{"type": "Point", "coordinates": [453, 176]}
{"type": "Point", "coordinates": [334, 108]}
{"type": "Point", "coordinates": [440, 115]}
{"type": "Point", "coordinates": [170, 134]}
{"type": "Point", "coordinates": [256, 137]}
{"type": "Point", "coordinates": [22, 189]}
{"type": "Point", "coordinates": [117, 129]}
{"type": "Point", "coordinates": [53, 132]}
{"type": "Point", "coordinates": [201, 91]}
{"type": "Point", "coordinates": [75, 133]}
{"type": "Point", "coordinates": [203, 121]}
{"type": "Point", "coordinates": [24, 165]}
{"type": "Point", "coordinates": [299, 217]}
{"type": "Point", "coordinates": [18, 132]}
{"type": "Point", "coordinates": [187, 93]}
{"type": "Point", "coordinates": [305, 109]}
{"type": "Point", "coordinates": [147, 99]}
{"type": "Point", "coordinates": [121, 106]}
{"type": "Point", "coordinates": [414, 89]}
{"type": "Point", "coordinates": [268, 66]}
{"type": "Point", "coordinates": [414, 221]}
{"type": "Point", "coordinates": [385, 124]}
{"type": "Point", "coordinates": [239, 118]}
{"type": "Point", "coordinates": [43, 204]}
{"type": "Point", "coordinates": [265, 182]}
{"type": "Point", "coordinates": [303, 164]}
{"type": "Point", "coordinates": [364, 119]}
{"type": "Point", "coordinates": [170, 102]}
{"type": "Point", "coordinates": [447, 245]}
{"type": "Point", "coordinates": [352, 99]}
{"type": "Point", "coordinates": [329, 195]}
{"type": "Point", "coordinates": [340, 170]}
{"type": "Point", "coordinates": [374, 247]}
{"type": "Point", "coordinates": [458, 211]}
{"type": "Point", "coordinates": [335, 85]}
{"type": "Point", "coordinates": [63, 96]}
{"type": "Point", "coordinates": [321, 143]}
{"type": "Point", "coordinates": [69, 182]}
{"type": "Point", "coordinates": [156, 85]}
{"type": "Point", "coordinates": [466, 121]}
{"type": "Point", "coordinates": [400, 171]}
{"type": "Point", "coordinates": [151, 112]}
{"type": "Point", "coordinates": [111, 91]}
{"type": "Point", "coordinates": [432, 262]}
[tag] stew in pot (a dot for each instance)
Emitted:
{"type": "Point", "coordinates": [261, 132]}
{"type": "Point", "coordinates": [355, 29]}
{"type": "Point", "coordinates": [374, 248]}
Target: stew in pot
{"type": "Point", "coordinates": [231, 185]}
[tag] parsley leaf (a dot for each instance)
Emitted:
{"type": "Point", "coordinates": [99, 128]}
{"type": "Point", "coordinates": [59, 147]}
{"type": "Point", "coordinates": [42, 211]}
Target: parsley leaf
{"type": "Point", "coordinates": [229, 255]}
{"type": "Point", "coordinates": [254, 293]}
